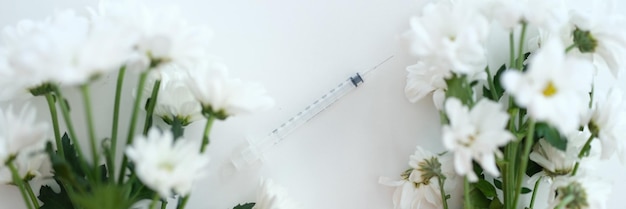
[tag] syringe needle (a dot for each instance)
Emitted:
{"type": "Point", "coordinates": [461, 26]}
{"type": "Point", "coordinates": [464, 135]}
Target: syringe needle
{"type": "Point", "coordinates": [376, 66]}
{"type": "Point", "coordinates": [251, 153]}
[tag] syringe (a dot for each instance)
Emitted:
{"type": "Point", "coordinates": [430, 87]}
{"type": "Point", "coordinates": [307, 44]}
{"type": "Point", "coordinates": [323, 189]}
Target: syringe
{"type": "Point", "coordinates": [251, 153]}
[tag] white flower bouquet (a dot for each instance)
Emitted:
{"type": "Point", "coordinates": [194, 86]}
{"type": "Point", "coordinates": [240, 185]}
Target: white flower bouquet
{"type": "Point", "coordinates": [520, 87]}
{"type": "Point", "coordinates": [177, 81]}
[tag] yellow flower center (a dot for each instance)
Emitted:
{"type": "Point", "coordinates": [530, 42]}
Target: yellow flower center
{"type": "Point", "coordinates": [549, 90]}
{"type": "Point", "coordinates": [167, 166]}
{"type": "Point", "coordinates": [469, 142]}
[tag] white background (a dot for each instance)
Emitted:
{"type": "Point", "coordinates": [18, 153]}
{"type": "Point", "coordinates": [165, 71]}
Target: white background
{"type": "Point", "coordinates": [299, 50]}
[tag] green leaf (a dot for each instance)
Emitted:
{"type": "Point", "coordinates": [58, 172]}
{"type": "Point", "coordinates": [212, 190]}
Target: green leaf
{"type": "Point", "coordinates": [71, 157]}
{"type": "Point", "coordinates": [497, 83]}
{"type": "Point", "coordinates": [526, 190]}
{"type": "Point", "coordinates": [139, 190]}
{"type": "Point", "coordinates": [497, 183]}
{"type": "Point", "coordinates": [459, 87]}
{"type": "Point", "coordinates": [486, 188]}
{"type": "Point", "coordinates": [487, 94]}
{"type": "Point", "coordinates": [147, 104]}
{"type": "Point", "coordinates": [478, 169]}
{"type": "Point", "coordinates": [62, 170]}
{"type": "Point", "coordinates": [105, 196]}
{"type": "Point", "coordinates": [177, 127]}
{"type": "Point", "coordinates": [53, 200]}
{"type": "Point", "coordinates": [103, 173]}
{"type": "Point", "coordinates": [496, 204]}
{"type": "Point", "coordinates": [524, 66]}
{"type": "Point", "coordinates": [67, 103]}
{"type": "Point", "coordinates": [533, 168]}
{"type": "Point", "coordinates": [478, 199]}
{"type": "Point", "coordinates": [245, 206]}
{"type": "Point", "coordinates": [551, 135]}
{"type": "Point", "coordinates": [498, 90]}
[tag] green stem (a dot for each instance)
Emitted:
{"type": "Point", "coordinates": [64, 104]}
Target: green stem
{"type": "Point", "coordinates": [151, 104]}
{"type": "Point", "coordinates": [155, 199]}
{"type": "Point", "coordinates": [65, 111]}
{"type": "Point", "coordinates": [570, 47]}
{"type": "Point", "coordinates": [70, 191]}
{"type": "Point", "coordinates": [564, 202]}
{"type": "Point", "coordinates": [443, 119]}
{"type": "Point", "coordinates": [505, 178]}
{"type": "Point", "coordinates": [582, 153]}
{"type": "Point", "coordinates": [29, 189]}
{"type": "Point", "coordinates": [528, 144]}
{"type": "Point", "coordinates": [90, 127]}
{"type": "Point", "coordinates": [575, 170]}
{"type": "Point", "coordinates": [511, 150]}
{"type": "Point", "coordinates": [492, 86]}
{"type": "Point", "coordinates": [520, 49]}
{"type": "Point", "coordinates": [116, 117]}
{"type": "Point", "coordinates": [68, 120]}
{"type": "Point", "coordinates": [133, 122]}
{"type": "Point", "coordinates": [508, 183]}
{"type": "Point", "coordinates": [532, 199]}
{"type": "Point", "coordinates": [513, 113]}
{"type": "Point", "coordinates": [511, 50]}
{"type": "Point", "coordinates": [55, 124]}
{"type": "Point", "coordinates": [20, 184]}
{"type": "Point", "coordinates": [163, 204]}
{"type": "Point", "coordinates": [182, 203]}
{"type": "Point", "coordinates": [504, 170]}
{"type": "Point", "coordinates": [593, 89]}
{"type": "Point", "coordinates": [133, 177]}
{"type": "Point", "coordinates": [207, 131]}
{"type": "Point", "coordinates": [444, 199]}
{"type": "Point", "coordinates": [466, 196]}
{"type": "Point", "coordinates": [586, 147]}
{"type": "Point", "coordinates": [512, 190]}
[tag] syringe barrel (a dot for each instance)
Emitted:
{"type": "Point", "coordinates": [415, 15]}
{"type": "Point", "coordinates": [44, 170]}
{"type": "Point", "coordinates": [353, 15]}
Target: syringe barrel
{"type": "Point", "coordinates": [311, 111]}
{"type": "Point", "coordinates": [249, 155]}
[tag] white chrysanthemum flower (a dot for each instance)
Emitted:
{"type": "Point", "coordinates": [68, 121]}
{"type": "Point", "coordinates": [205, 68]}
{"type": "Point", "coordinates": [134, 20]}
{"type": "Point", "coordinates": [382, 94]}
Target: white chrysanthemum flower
{"type": "Point", "coordinates": [107, 47]}
{"type": "Point", "coordinates": [605, 32]}
{"type": "Point", "coordinates": [556, 162]}
{"type": "Point", "coordinates": [65, 48]}
{"type": "Point", "coordinates": [548, 15]}
{"type": "Point", "coordinates": [23, 45]}
{"type": "Point", "coordinates": [38, 52]}
{"type": "Point", "coordinates": [175, 99]}
{"type": "Point", "coordinates": [554, 89]}
{"type": "Point", "coordinates": [450, 37]}
{"type": "Point", "coordinates": [426, 167]}
{"type": "Point", "coordinates": [272, 196]}
{"type": "Point", "coordinates": [166, 165]}
{"type": "Point", "coordinates": [475, 135]}
{"type": "Point", "coordinates": [32, 163]}
{"type": "Point", "coordinates": [419, 186]}
{"type": "Point", "coordinates": [608, 119]}
{"type": "Point", "coordinates": [409, 196]}
{"type": "Point", "coordinates": [587, 192]}
{"type": "Point", "coordinates": [224, 96]}
{"type": "Point", "coordinates": [161, 35]}
{"type": "Point", "coordinates": [422, 80]}
{"type": "Point", "coordinates": [20, 131]}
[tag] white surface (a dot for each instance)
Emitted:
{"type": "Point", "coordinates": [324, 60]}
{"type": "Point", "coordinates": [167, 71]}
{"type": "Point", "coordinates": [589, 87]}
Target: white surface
{"type": "Point", "coordinates": [299, 50]}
